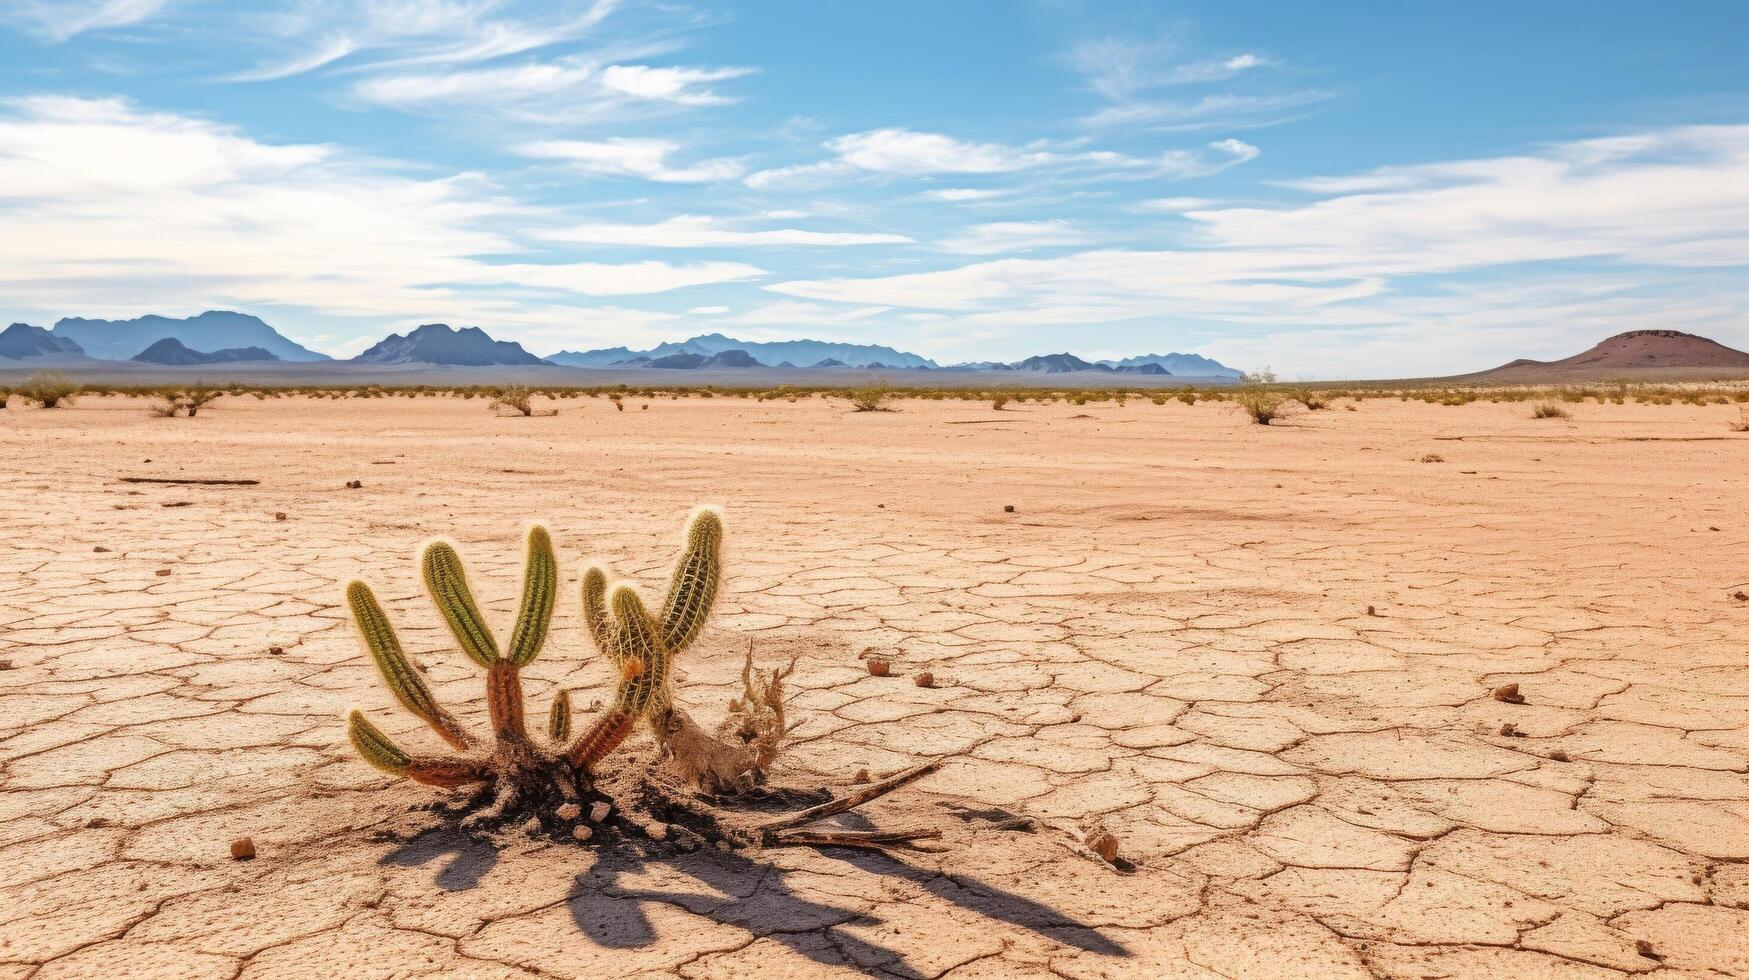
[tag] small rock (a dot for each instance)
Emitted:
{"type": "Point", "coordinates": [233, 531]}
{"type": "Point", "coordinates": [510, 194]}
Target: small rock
{"type": "Point", "coordinates": [162, 573]}
{"type": "Point", "coordinates": [1740, 596]}
{"type": "Point", "coordinates": [1508, 694]}
{"type": "Point", "coordinates": [1712, 528]}
{"type": "Point", "coordinates": [860, 777]}
{"type": "Point", "coordinates": [100, 550]}
{"type": "Point", "coordinates": [657, 831]}
{"type": "Point", "coordinates": [1559, 756]}
{"type": "Point", "coordinates": [1372, 611]}
{"type": "Point", "coordinates": [6, 665]}
{"type": "Point", "coordinates": [1645, 949]}
{"type": "Point", "coordinates": [424, 667]}
{"type": "Point", "coordinates": [599, 812]}
{"type": "Point", "coordinates": [1511, 731]}
{"type": "Point", "coordinates": [568, 811]}
{"type": "Point", "coordinates": [881, 506]}
{"type": "Point", "coordinates": [1103, 843]}
{"type": "Point", "coordinates": [279, 515]}
{"type": "Point", "coordinates": [582, 832]}
{"type": "Point", "coordinates": [355, 484]}
{"type": "Point", "coordinates": [243, 849]}
{"type": "Point", "coordinates": [925, 679]}
{"type": "Point", "coordinates": [1007, 508]}
{"type": "Point", "coordinates": [879, 666]}
{"type": "Point", "coordinates": [276, 651]}
{"type": "Point", "coordinates": [531, 825]}
{"type": "Point", "coordinates": [594, 705]}
{"type": "Point", "coordinates": [97, 822]}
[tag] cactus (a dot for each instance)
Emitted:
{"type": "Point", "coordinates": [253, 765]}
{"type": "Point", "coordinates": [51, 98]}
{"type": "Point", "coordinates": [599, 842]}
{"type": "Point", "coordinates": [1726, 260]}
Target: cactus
{"type": "Point", "coordinates": [519, 769]}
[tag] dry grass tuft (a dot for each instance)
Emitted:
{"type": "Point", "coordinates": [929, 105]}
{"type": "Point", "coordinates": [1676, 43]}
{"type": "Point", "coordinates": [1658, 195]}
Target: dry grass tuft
{"type": "Point", "coordinates": [870, 398]}
{"type": "Point", "coordinates": [50, 389]}
{"type": "Point", "coordinates": [1549, 410]}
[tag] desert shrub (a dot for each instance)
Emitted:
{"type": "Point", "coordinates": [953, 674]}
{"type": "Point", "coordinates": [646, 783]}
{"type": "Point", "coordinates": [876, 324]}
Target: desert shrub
{"type": "Point", "coordinates": [870, 398]}
{"type": "Point", "coordinates": [49, 389]}
{"type": "Point", "coordinates": [5, 393]}
{"type": "Point", "coordinates": [1549, 410]}
{"type": "Point", "coordinates": [517, 398]}
{"type": "Point", "coordinates": [999, 400]}
{"type": "Point", "coordinates": [1742, 423]}
{"type": "Point", "coordinates": [1261, 400]}
{"type": "Point", "coordinates": [192, 399]}
{"type": "Point", "coordinates": [1187, 397]}
{"type": "Point", "coordinates": [1433, 458]}
{"type": "Point", "coordinates": [163, 408]}
{"type": "Point", "coordinates": [1315, 401]}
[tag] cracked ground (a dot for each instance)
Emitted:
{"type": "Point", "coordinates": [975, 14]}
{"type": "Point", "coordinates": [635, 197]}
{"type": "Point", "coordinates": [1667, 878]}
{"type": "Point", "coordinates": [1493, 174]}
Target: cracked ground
{"type": "Point", "coordinates": [1170, 632]}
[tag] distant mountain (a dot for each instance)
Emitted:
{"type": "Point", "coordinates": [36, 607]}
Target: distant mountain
{"type": "Point", "coordinates": [830, 362]}
{"type": "Point", "coordinates": [1148, 368]}
{"type": "Point", "coordinates": [438, 343]}
{"type": "Point", "coordinates": [22, 340]}
{"type": "Point", "coordinates": [118, 340]}
{"type": "Point", "coordinates": [1057, 364]}
{"type": "Point", "coordinates": [1636, 350]}
{"type": "Point", "coordinates": [765, 352]}
{"type": "Point", "coordinates": [173, 351]}
{"type": "Point", "coordinates": [1184, 365]}
{"type": "Point", "coordinates": [721, 359]}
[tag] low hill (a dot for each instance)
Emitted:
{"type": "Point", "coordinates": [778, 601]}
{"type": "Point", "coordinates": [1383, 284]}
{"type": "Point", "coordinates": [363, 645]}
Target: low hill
{"type": "Point", "coordinates": [21, 340]}
{"type": "Point", "coordinates": [173, 351]}
{"type": "Point", "coordinates": [763, 352]}
{"type": "Point", "coordinates": [439, 343]}
{"type": "Point", "coordinates": [1627, 354]}
{"type": "Point", "coordinates": [119, 340]}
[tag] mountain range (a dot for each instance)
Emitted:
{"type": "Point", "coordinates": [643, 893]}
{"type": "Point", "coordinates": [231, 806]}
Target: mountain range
{"type": "Point", "coordinates": [797, 353]}
{"type": "Point", "coordinates": [439, 343]}
{"type": "Point", "coordinates": [173, 351]}
{"type": "Point", "coordinates": [119, 340]}
{"type": "Point", "coordinates": [22, 340]}
{"type": "Point", "coordinates": [220, 336]}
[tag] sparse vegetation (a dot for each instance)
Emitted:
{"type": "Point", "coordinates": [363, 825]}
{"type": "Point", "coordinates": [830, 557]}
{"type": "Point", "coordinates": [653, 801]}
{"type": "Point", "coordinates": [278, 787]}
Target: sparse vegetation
{"type": "Point", "coordinates": [517, 398]}
{"type": "Point", "coordinates": [870, 398]}
{"type": "Point", "coordinates": [1549, 410]}
{"type": "Point", "coordinates": [1741, 425]}
{"type": "Point", "coordinates": [49, 389]}
{"type": "Point", "coordinates": [1261, 400]}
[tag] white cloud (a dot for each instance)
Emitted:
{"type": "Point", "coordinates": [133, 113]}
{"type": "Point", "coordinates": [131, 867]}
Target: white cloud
{"type": "Point", "coordinates": [1177, 205]}
{"type": "Point", "coordinates": [625, 156]}
{"type": "Point", "coordinates": [204, 216]}
{"type": "Point", "coordinates": [1184, 164]}
{"type": "Point", "coordinates": [331, 49]}
{"type": "Point", "coordinates": [796, 314]}
{"type": "Point", "coordinates": [1209, 112]}
{"type": "Point", "coordinates": [961, 194]}
{"type": "Point", "coordinates": [701, 231]}
{"type": "Point", "coordinates": [707, 310]}
{"type": "Point", "coordinates": [1654, 211]}
{"type": "Point", "coordinates": [1013, 236]}
{"type": "Point", "coordinates": [58, 20]}
{"type": "Point", "coordinates": [569, 87]}
{"type": "Point", "coordinates": [908, 153]}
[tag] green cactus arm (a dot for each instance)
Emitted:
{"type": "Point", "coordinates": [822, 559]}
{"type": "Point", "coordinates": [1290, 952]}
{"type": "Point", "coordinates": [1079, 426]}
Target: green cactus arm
{"type": "Point", "coordinates": [693, 587]}
{"type": "Point", "coordinates": [559, 719]}
{"type": "Point", "coordinates": [375, 747]}
{"type": "Point", "coordinates": [448, 585]}
{"type": "Point", "coordinates": [596, 616]}
{"type": "Point", "coordinates": [539, 587]}
{"type": "Point", "coordinates": [377, 750]}
{"type": "Point", "coordinates": [639, 638]}
{"type": "Point", "coordinates": [408, 687]}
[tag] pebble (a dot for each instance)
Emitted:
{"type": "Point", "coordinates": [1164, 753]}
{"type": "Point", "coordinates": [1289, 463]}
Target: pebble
{"type": "Point", "coordinates": [276, 651]}
{"type": "Point", "coordinates": [599, 812]}
{"type": "Point", "coordinates": [1508, 694]}
{"type": "Point", "coordinates": [100, 549]}
{"type": "Point", "coordinates": [6, 665]}
{"type": "Point", "coordinates": [531, 825]}
{"type": "Point", "coordinates": [162, 572]}
{"type": "Point", "coordinates": [582, 831]}
{"type": "Point", "coordinates": [879, 667]}
{"type": "Point", "coordinates": [860, 777]}
{"type": "Point", "coordinates": [1007, 508]}
{"type": "Point", "coordinates": [243, 849]}
{"type": "Point", "coordinates": [355, 484]}
{"type": "Point", "coordinates": [1104, 844]}
{"type": "Point", "coordinates": [568, 811]}
{"type": "Point", "coordinates": [657, 831]}
{"type": "Point", "coordinates": [925, 679]}
{"type": "Point", "coordinates": [279, 516]}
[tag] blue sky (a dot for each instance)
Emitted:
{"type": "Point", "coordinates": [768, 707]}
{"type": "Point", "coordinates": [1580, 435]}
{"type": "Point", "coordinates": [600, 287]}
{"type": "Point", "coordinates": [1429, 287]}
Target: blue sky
{"type": "Point", "coordinates": [1334, 190]}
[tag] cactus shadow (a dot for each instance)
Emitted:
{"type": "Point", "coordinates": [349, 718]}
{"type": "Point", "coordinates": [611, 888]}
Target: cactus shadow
{"type": "Point", "coordinates": [470, 859]}
{"type": "Point", "coordinates": [759, 898]}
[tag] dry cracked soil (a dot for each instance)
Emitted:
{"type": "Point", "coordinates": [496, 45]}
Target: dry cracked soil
{"type": "Point", "coordinates": [1170, 632]}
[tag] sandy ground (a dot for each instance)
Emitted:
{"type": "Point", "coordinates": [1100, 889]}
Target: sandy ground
{"type": "Point", "coordinates": [1170, 630]}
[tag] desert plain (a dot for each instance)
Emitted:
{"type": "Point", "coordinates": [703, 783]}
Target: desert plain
{"type": "Point", "coordinates": [1262, 656]}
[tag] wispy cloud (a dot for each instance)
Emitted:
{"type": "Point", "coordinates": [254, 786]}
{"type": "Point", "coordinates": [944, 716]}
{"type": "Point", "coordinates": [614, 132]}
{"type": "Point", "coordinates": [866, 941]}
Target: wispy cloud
{"type": "Point", "coordinates": [1659, 208]}
{"type": "Point", "coordinates": [1008, 237]}
{"type": "Point", "coordinates": [625, 156]}
{"type": "Point", "coordinates": [701, 231]}
{"type": "Point", "coordinates": [206, 216]}
{"type": "Point", "coordinates": [1134, 76]}
{"type": "Point", "coordinates": [59, 20]}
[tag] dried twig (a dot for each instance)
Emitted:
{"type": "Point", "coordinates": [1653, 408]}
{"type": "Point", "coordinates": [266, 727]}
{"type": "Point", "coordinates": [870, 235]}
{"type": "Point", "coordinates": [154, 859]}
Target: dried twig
{"type": "Point", "coordinates": [850, 801]}
{"type": "Point", "coordinates": [203, 483]}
